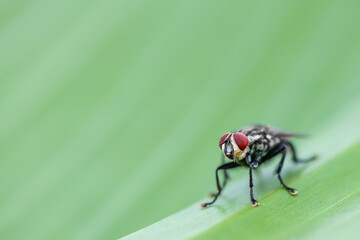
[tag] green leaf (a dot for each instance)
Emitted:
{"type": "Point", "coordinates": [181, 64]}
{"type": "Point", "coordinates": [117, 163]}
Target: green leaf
{"type": "Point", "coordinates": [329, 199]}
{"type": "Point", "coordinates": [329, 195]}
{"type": "Point", "coordinates": [111, 111]}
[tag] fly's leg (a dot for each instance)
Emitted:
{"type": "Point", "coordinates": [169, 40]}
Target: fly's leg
{"type": "Point", "coordinates": [254, 203]}
{"type": "Point", "coordinates": [295, 157]}
{"type": "Point", "coordinates": [226, 176]}
{"type": "Point", "coordinates": [222, 167]}
{"type": "Point", "coordinates": [280, 149]}
{"type": "Point", "coordinates": [291, 190]}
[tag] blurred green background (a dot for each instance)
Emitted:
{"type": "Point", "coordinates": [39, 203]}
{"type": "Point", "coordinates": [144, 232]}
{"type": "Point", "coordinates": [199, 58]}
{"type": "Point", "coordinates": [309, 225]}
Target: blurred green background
{"type": "Point", "coordinates": [111, 111]}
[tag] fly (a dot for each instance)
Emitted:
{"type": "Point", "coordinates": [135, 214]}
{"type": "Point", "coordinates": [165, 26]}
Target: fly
{"type": "Point", "coordinates": [250, 147]}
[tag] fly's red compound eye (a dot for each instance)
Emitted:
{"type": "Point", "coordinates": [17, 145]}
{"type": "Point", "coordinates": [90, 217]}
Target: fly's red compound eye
{"type": "Point", "coordinates": [241, 140]}
{"type": "Point", "coordinates": [222, 139]}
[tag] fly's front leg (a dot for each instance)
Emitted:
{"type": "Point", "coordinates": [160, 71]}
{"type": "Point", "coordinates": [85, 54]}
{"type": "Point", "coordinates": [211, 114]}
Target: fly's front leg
{"type": "Point", "coordinates": [222, 167]}
{"type": "Point", "coordinates": [252, 166]}
{"type": "Point", "coordinates": [226, 176]}
{"type": "Point", "coordinates": [295, 157]}
{"type": "Point", "coordinates": [254, 203]}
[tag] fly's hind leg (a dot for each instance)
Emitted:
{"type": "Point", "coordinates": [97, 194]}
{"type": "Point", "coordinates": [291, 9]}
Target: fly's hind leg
{"type": "Point", "coordinates": [278, 170]}
{"type": "Point", "coordinates": [295, 157]}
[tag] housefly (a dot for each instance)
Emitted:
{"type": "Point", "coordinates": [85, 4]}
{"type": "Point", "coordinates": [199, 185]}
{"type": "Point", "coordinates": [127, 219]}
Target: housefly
{"type": "Point", "coordinates": [250, 147]}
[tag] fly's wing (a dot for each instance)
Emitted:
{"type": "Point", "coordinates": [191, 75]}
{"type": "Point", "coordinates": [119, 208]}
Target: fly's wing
{"type": "Point", "coordinates": [283, 134]}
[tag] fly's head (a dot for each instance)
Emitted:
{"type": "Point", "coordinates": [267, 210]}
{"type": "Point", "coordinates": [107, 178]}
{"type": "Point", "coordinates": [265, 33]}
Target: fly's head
{"type": "Point", "coordinates": [234, 146]}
